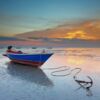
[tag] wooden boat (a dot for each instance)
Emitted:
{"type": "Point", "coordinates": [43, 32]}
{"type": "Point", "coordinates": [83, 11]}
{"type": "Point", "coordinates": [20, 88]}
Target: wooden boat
{"type": "Point", "coordinates": [29, 59]}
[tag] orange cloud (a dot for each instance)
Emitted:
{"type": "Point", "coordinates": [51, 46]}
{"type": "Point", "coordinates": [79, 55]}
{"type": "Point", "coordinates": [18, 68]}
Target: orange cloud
{"type": "Point", "coordinates": [88, 30]}
{"type": "Point", "coordinates": [79, 34]}
{"type": "Point", "coordinates": [76, 34]}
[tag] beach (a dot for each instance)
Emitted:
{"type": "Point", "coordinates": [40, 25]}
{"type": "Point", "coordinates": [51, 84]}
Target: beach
{"type": "Point", "coordinates": [54, 79]}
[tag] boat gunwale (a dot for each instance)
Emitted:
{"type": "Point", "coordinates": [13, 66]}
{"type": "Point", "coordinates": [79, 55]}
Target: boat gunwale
{"type": "Point", "coordinates": [30, 54]}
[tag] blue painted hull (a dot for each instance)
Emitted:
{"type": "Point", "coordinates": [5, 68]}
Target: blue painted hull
{"type": "Point", "coordinates": [32, 59]}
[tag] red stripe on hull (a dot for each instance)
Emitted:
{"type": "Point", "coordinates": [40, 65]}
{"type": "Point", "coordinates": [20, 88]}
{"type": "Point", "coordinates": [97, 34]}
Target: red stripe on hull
{"type": "Point", "coordinates": [28, 62]}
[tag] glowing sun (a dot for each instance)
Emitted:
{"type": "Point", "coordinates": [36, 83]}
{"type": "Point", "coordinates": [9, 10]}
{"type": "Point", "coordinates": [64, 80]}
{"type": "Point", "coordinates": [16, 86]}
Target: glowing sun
{"type": "Point", "coordinates": [78, 35]}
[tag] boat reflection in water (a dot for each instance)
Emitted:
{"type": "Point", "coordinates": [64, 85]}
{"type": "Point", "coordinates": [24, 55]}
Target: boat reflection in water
{"type": "Point", "coordinates": [28, 73]}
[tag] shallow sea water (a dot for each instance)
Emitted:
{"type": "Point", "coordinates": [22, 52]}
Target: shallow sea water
{"type": "Point", "coordinates": [20, 82]}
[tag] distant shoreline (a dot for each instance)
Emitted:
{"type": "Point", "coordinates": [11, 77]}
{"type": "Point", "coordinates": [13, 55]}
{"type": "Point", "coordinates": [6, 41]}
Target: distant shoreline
{"type": "Point", "coordinates": [47, 45]}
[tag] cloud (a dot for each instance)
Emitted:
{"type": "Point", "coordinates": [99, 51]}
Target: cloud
{"type": "Point", "coordinates": [82, 30]}
{"type": "Point", "coordinates": [88, 30]}
{"type": "Point", "coordinates": [29, 22]}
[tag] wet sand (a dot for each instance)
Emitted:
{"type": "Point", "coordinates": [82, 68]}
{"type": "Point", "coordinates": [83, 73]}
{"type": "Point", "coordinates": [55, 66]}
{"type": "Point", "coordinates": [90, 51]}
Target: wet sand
{"type": "Point", "coordinates": [19, 82]}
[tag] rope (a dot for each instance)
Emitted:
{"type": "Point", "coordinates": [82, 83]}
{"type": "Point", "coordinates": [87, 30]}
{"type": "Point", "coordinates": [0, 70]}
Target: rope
{"type": "Point", "coordinates": [54, 72]}
{"type": "Point", "coordinates": [83, 84]}
{"type": "Point", "coordinates": [58, 70]}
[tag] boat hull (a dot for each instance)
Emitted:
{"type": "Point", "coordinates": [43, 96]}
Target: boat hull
{"type": "Point", "coordinates": [29, 59]}
{"type": "Point", "coordinates": [35, 64]}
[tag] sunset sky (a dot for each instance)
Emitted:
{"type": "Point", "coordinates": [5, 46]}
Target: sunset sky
{"type": "Point", "coordinates": [67, 18]}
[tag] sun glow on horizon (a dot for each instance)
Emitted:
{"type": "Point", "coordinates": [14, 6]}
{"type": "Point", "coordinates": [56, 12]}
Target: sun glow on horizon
{"type": "Point", "coordinates": [79, 34]}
